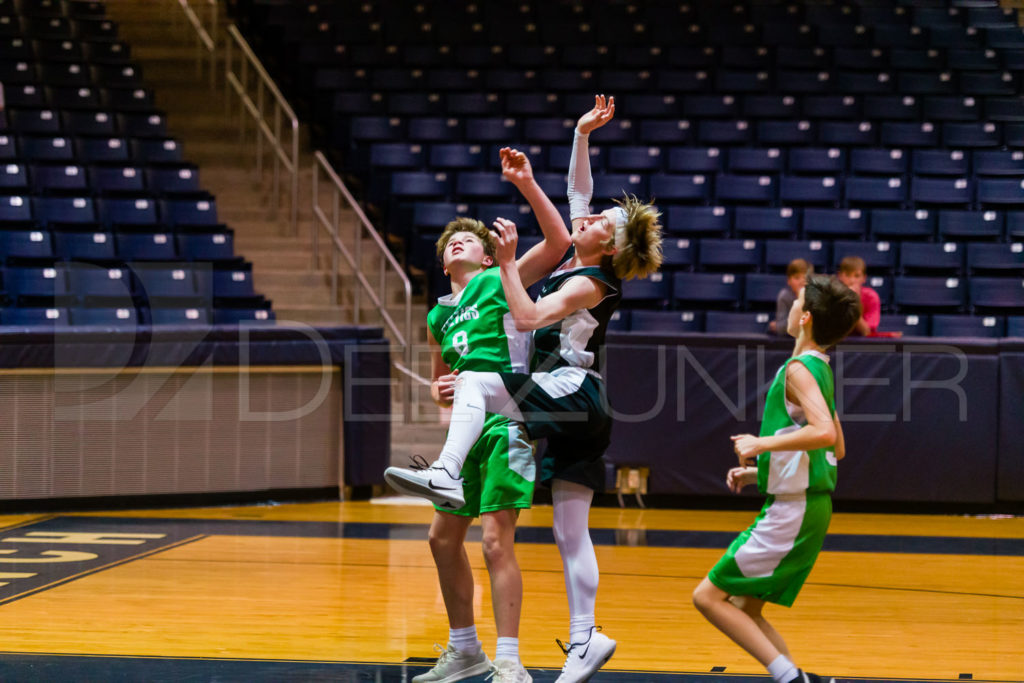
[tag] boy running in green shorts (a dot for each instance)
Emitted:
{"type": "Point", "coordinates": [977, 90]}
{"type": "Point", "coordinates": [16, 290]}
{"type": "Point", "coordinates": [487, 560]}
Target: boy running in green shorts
{"type": "Point", "coordinates": [796, 453]}
{"type": "Point", "coordinates": [471, 329]}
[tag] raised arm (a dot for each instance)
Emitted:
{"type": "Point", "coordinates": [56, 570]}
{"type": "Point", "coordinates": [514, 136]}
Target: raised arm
{"type": "Point", "coordinates": [580, 187]}
{"type": "Point", "coordinates": [576, 293]}
{"type": "Point", "coordinates": [544, 257]}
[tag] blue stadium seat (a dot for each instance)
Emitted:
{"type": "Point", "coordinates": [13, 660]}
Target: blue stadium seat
{"type": "Point", "coordinates": [26, 244]}
{"type": "Point", "coordinates": [695, 160]}
{"type": "Point", "coordinates": [909, 134]}
{"type": "Point", "coordinates": [666, 321]}
{"type": "Point", "coordinates": [741, 80]}
{"type": "Point", "coordinates": [473, 103]}
{"type": "Point", "coordinates": [945, 258]}
{"type": "Point", "coordinates": [762, 220]}
{"type": "Point", "coordinates": [645, 107]}
{"type": "Point", "coordinates": [770, 106]}
{"type": "Point", "coordinates": [912, 292]}
{"type": "Point", "coordinates": [761, 290]}
{"type": "Point", "coordinates": [135, 211]}
{"type": "Point", "coordinates": [714, 132]}
{"type": "Point", "coordinates": [533, 104]}
{"type": "Point", "coordinates": [168, 281]}
{"type": "Point", "coordinates": [696, 220]}
{"type": "Point", "coordinates": [1015, 326]}
{"type": "Point", "coordinates": [1002, 258]}
{"type": "Point", "coordinates": [397, 155]}
{"type": "Point", "coordinates": [494, 129]}
{"type": "Point", "coordinates": [127, 99]}
{"type": "Point", "coordinates": [47, 148]}
{"type": "Point", "coordinates": [16, 210]}
{"type": "Point", "coordinates": [998, 162]}
{"type": "Point", "coordinates": [728, 322]}
{"type": "Point", "coordinates": [105, 316]}
{"type": "Point", "coordinates": [940, 162]}
{"type": "Point", "coordinates": [246, 316]}
{"type": "Point", "coordinates": [398, 103]}
{"type": "Point", "coordinates": [747, 189]}
{"type": "Point", "coordinates": [197, 315]}
{"type": "Point", "coordinates": [215, 246]}
{"type": "Point", "coordinates": [757, 160]}
{"type": "Point", "coordinates": [93, 284]}
{"type": "Point", "coordinates": [451, 156]}
{"type": "Point", "coordinates": [149, 124]}
{"type": "Point", "coordinates": [619, 320]}
{"type": "Point", "coordinates": [84, 246]}
{"type": "Point", "coordinates": [653, 291]}
{"type": "Point", "coordinates": [795, 189]}
{"type": "Point", "coordinates": [711, 106]}
{"type": "Point", "coordinates": [173, 179]}
{"type": "Point", "coordinates": [103, 149]}
{"type": "Point", "coordinates": [778, 254]}
{"type": "Point", "coordinates": [34, 121]}
{"type": "Point", "coordinates": [909, 325]}
{"type": "Point", "coordinates": [670, 188]}
{"type": "Point", "coordinates": [800, 132]}
{"type": "Point", "coordinates": [682, 81]}
{"type": "Point", "coordinates": [873, 190]}
{"type": "Point", "coordinates": [892, 107]}
{"type": "Point", "coordinates": [721, 290]}
{"type": "Point", "coordinates": [847, 133]}
{"type": "Point", "coordinates": [635, 159]}
{"type": "Point", "coordinates": [903, 224]}
{"type": "Point", "coordinates": [665, 132]}
{"type": "Point", "coordinates": [997, 293]}
{"type": "Point", "coordinates": [835, 223]}
{"type": "Point", "coordinates": [64, 210]}
{"type": "Point", "coordinates": [420, 185]}
{"type": "Point", "coordinates": [435, 215]}
{"type": "Point", "coordinates": [60, 179]}
{"type": "Point", "coordinates": [117, 179]}
{"type": "Point", "coordinates": [818, 160]}
{"type": "Point", "coordinates": [482, 185]}
{"type": "Point", "coordinates": [1001, 191]}
{"type": "Point", "coordinates": [1004, 108]}
{"type": "Point", "coordinates": [189, 213]}
{"type": "Point", "coordinates": [376, 129]}
{"type": "Point", "coordinates": [35, 316]}
{"type": "Point", "coordinates": [842, 107]}
{"type": "Point", "coordinates": [729, 255]}
{"type": "Point", "coordinates": [968, 225]}
{"type": "Point", "coordinates": [971, 134]}
{"type": "Point", "coordinates": [609, 186]}
{"type": "Point", "coordinates": [878, 256]}
{"type": "Point", "coordinates": [926, 190]}
{"type": "Point", "coordinates": [156, 151]}
{"type": "Point", "coordinates": [233, 283]}
{"type": "Point", "coordinates": [888, 162]}
{"type": "Point", "coordinates": [546, 130]}
{"type": "Point", "coordinates": [678, 253]}
{"type": "Point", "coordinates": [926, 83]}
{"type": "Point", "coordinates": [1014, 224]}
{"type": "Point", "coordinates": [951, 108]}
{"type": "Point", "coordinates": [145, 246]}
{"type": "Point", "coordinates": [41, 282]}
{"type": "Point", "coordinates": [13, 177]}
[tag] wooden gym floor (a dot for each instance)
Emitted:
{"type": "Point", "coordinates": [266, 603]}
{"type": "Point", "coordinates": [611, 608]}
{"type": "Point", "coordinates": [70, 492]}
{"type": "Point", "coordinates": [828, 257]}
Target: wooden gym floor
{"type": "Point", "coordinates": [348, 592]}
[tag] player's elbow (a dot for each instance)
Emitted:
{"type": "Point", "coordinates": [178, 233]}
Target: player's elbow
{"type": "Point", "coordinates": [825, 436]}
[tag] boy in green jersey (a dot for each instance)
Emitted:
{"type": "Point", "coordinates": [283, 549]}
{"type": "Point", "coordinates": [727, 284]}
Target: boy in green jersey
{"type": "Point", "coordinates": [471, 329]}
{"type": "Point", "coordinates": [795, 459]}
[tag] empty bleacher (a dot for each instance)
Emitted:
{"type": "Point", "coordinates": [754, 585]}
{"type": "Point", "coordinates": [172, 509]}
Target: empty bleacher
{"type": "Point", "coordinates": [764, 131]}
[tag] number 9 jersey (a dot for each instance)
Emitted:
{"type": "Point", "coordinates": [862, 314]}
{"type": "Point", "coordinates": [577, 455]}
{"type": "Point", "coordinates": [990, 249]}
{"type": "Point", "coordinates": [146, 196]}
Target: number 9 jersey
{"type": "Point", "coordinates": [476, 330]}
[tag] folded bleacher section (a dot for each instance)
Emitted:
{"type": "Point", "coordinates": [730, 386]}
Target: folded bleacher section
{"type": "Point", "coordinates": [891, 130]}
{"type": "Point", "coordinates": [102, 220]}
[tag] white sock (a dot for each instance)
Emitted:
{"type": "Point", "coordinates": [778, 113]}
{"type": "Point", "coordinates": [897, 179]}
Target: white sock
{"type": "Point", "coordinates": [476, 394]}
{"type": "Point", "coordinates": [507, 648]}
{"type": "Point", "coordinates": [579, 561]}
{"type": "Point", "coordinates": [464, 639]}
{"type": "Point", "coordinates": [580, 626]}
{"type": "Point", "coordinates": [782, 669]}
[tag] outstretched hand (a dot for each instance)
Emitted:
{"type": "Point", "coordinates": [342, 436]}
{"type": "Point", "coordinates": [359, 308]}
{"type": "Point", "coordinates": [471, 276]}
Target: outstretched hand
{"type": "Point", "coordinates": [738, 477]}
{"type": "Point", "coordinates": [507, 238]}
{"type": "Point", "coordinates": [601, 114]}
{"type": "Point", "coordinates": [515, 166]}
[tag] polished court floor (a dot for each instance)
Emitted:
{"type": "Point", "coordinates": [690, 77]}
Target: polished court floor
{"type": "Point", "coordinates": [347, 592]}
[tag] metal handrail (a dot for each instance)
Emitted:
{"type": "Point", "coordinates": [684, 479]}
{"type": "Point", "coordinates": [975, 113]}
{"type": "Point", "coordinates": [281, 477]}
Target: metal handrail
{"type": "Point", "coordinates": [378, 296]}
{"type": "Point", "coordinates": [269, 129]}
{"type": "Point", "coordinates": [204, 40]}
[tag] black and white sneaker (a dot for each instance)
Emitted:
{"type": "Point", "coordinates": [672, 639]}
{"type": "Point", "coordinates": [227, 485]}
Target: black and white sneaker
{"type": "Point", "coordinates": [431, 482]}
{"type": "Point", "coordinates": [806, 677]}
{"type": "Point", "coordinates": [582, 660]}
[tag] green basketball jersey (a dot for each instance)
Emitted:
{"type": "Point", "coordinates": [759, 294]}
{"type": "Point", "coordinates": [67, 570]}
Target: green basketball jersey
{"type": "Point", "coordinates": [475, 329]}
{"type": "Point", "coordinates": [780, 472]}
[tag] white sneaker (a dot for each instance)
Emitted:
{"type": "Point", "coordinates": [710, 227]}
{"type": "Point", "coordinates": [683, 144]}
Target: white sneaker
{"type": "Point", "coordinates": [455, 665]}
{"type": "Point", "coordinates": [509, 671]}
{"type": "Point", "coordinates": [582, 660]}
{"type": "Point", "coordinates": [433, 483]}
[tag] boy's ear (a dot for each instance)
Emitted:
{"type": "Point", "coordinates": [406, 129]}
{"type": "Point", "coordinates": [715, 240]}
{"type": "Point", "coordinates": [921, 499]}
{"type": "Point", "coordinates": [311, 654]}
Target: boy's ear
{"type": "Point", "coordinates": [610, 250]}
{"type": "Point", "coordinates": [805, 318]}
{"type": "Point", "coordinates": [488, 261]}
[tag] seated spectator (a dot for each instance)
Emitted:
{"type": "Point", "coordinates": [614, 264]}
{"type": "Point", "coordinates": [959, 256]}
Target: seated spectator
{"type": "Point", "coordinates": [796, 277]}
{"type": "Point", "coordinates": [853, 274]}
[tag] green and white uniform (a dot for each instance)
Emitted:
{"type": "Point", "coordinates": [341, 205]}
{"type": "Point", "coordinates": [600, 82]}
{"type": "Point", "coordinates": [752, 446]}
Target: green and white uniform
{"type": "Point", "coordinates": [771, 559]}
{"type": "Point", "coordinates": [476, 332]}
{"type": "Point", "coordinates": [564, 398]}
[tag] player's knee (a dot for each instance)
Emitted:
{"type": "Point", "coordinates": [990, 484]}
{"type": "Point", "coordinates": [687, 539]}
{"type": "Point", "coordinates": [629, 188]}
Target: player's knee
{"type": "Point", "coordinates": [494, 548]}
{"type": "Point", "coordinates": [702, 597]}
{"type": "Point", "coordinates": [442, 545]}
